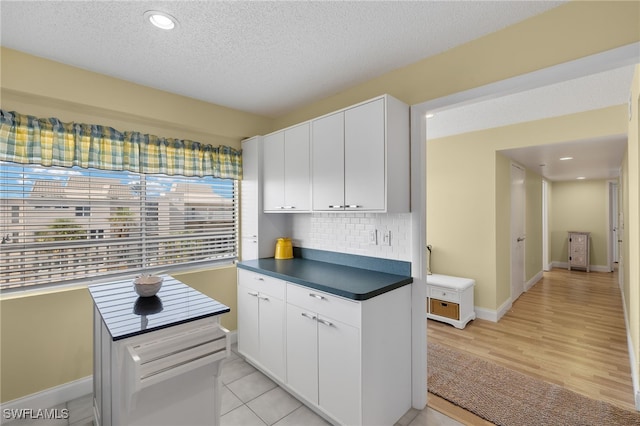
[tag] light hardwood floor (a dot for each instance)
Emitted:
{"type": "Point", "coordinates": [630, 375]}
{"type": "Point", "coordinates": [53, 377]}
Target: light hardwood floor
{"type": "Point", "coordinates": [568, 329]}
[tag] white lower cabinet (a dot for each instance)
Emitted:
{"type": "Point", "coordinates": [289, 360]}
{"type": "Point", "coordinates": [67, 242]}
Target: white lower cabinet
{"type": "Point", "coordinates": [348, 360]}
{"type": "Point", "coordinates": [339, 382]}
{"type": "Point", "coordinates": [323, 356]}
{"type": "Point", "coordinates": [302, 352]}
{"type": "Point", "coordinates": [261, 321]}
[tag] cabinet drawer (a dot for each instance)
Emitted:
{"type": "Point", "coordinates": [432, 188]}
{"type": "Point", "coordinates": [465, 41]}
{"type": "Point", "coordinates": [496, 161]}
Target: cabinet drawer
{"type": "Point", "coordinates": [444, 294]}
{"type": "Point", "coordinates": [325, 304]}
{"type": "Point", "coordinates": [262, 283]}
{"type": "Point", "coordinates": [444, 309]}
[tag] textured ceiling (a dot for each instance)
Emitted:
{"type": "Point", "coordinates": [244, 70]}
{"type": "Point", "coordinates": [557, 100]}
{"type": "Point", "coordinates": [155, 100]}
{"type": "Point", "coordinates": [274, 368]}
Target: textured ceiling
{"type": "Point", "coordinates": [262, 57]}
{"type": "Point", "coordinates": [270, 58]}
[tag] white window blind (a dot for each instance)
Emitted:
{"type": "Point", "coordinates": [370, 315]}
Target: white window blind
{"type": "Point", "coordinates": [61, 225]}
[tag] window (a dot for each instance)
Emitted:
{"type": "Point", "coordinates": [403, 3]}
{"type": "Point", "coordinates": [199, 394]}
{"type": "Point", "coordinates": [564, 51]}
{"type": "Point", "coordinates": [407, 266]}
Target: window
{"type": "Point", "coordinates": [63, 225]}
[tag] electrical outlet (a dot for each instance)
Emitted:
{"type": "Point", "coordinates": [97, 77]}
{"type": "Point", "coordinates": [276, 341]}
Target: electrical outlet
{"type": "Point", "coordinates": [373, 237]}
{"type": "Point", "coordinates": [386, 238]}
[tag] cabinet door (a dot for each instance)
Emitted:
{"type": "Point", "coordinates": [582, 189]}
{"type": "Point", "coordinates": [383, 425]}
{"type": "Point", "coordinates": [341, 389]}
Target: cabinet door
{"type": "Point", "coordinates": [272, 314]}
{"type": "Point", "coordinates": [249, 248]}
{"type": "Point", "coordinates": [273, 172]}
{"type": "Point", "coordinates": [302, 352]}
{"type": "Point", "coordinates": [249, 190]}
{"type": "Point", "coordinates": [364, 157]}
{"type": "Point", "coordinates": [327, 159]}
{"type": "Point", "coordinates": [339, 365]}
{"type": "Point", "coordinates": [297, 176]}
{"type": "Point", "coordinates": [248, 321]}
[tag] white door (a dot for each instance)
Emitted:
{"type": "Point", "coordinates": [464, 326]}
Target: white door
{"type": "Point", "coordinates": [327, 159]}
{"type": "Point", "coordinates": [302, 352]}
{"type": "Point", "coordinates": [517, 231]}
{"type": "Point", "coordinates": [272, 329]}
{"type": "Point", "coordinates": [248, 321]}
{"type": "Point", "coordinates": [613, 225]}
{"type": "Point", "coordinates": [273, 172]}
{"type": "Point", "coordinates": [339, 381]}
{"type": "Point", "coordinates": [364, 157]}
{"type": "Point", "coordinates": [297, 176]}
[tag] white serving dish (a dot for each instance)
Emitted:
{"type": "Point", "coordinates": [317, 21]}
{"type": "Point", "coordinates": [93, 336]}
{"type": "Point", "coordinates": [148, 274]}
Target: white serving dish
{"type": "Point", "coordinates": [147, 285]}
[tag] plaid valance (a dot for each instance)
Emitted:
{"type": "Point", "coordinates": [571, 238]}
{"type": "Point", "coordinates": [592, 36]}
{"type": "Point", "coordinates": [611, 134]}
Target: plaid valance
{"type": "Point", "coordinates": [49, 142]}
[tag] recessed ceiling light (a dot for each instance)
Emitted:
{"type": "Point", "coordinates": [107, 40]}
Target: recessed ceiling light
{"type": "Point", "coordinates": [161, 20]}
{"type": "Point", "coordinates": [431, 115]}
{"type": "Point", "coordinates": [581, 177]}
{"type": "Point", "coordinates": [566, 158]}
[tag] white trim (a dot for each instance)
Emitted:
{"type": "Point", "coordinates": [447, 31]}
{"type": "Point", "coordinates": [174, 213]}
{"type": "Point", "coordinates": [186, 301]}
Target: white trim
{"type": "Point", "coordinates": [593, 268]}
{"type": "Point", "coordinates": [51, 397]}
{"type": "Point", "coordinates": [632, 356]}
{"type": "Point", "coordinates": [419, 258]}
{"type": "Point", "coordinates": [600, 62]}
{"type": "Point", "coordinates": [537, 277]}
{"type": "Point", "coordinates": [493, 315]}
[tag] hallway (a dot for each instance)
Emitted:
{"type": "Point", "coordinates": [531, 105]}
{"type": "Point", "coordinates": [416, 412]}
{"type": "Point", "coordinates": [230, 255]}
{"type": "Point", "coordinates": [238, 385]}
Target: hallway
{"type": "Point", "coordinates": [568, 329]}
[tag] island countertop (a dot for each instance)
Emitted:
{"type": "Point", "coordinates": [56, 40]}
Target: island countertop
{"type": "Point", "coordinates": [347, 281]}
{"type": "Point", "coordinates": [125, 314]}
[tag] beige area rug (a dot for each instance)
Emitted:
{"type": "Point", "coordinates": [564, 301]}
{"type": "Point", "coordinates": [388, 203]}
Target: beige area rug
{"type": "Point", "coordinates": [509, 398]}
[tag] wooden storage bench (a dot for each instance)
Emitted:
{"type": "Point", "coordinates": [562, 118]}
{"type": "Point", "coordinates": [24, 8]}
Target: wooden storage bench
{"type": "Point", "coordinates": [450, 299]}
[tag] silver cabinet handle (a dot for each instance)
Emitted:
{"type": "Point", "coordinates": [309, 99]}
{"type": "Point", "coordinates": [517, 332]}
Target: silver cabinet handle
{"type": "Point", "coordinates": [251, 293]}
{"type": "Point", "coordinates": [336, 206]}
{"type": "Point", "coordinates": [288, 207]}
{"type": "Point", "coordinates": [353, 206]}
{"type": "Point", "coordinates": [306, 315]}
{"type": "Point", "coordinates": [263, 298]}
{"type": "Point", "coordinates": [325, 322]}
{"type": "Point", "coordinates": [258, 278]}
{"type": "Point", "coordinates": [317, 296]}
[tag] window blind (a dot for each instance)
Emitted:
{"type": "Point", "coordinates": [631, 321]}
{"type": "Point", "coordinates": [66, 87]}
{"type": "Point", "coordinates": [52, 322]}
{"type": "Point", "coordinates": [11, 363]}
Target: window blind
{"type": "Point", "coordinates": [62, 225]}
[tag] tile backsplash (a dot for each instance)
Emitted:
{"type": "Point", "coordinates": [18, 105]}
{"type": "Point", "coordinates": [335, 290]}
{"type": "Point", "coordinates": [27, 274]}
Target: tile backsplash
{"type": "Point", "coordinates": [350, 233]}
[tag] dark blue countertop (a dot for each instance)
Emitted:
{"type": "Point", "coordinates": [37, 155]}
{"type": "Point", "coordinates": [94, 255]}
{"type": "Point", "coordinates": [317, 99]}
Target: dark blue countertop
{"type": "Point", "coordinates": [341, 280]}
{"type": "Point", "coordinates": [126, 314]}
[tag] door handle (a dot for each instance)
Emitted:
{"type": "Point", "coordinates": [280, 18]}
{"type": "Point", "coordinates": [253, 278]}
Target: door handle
{"type": "Point", "coordinates": [520, 239]}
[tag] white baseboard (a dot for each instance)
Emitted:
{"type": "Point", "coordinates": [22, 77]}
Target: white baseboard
{"type": "Point", "coordinates": [233, 336]}
{"type": "Point", "coordinates": [493, 315]}
{"type": "Point", "coordinates": [533, 281]}
{"type": "Point", "coordinates": [51, 397]}
{"type": "Point", "coordinates": [594, 268]}
{"type": "Point", "coordinates": [635, 374]}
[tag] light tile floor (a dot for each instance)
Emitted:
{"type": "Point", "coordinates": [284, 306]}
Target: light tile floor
{"type": "Point", "coordinates": [249, 398]}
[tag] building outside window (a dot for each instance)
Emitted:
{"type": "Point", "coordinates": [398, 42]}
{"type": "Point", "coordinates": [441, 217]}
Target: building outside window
{"type": "Point", "coordinates": [64, 225]}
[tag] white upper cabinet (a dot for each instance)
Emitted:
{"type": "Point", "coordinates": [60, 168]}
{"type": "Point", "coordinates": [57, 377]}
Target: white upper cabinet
{"type": "Point", "coordinates": [258, 231]}
{"type": "Point", "coordinates": [287, 185]}
{"type": "Point", "coordinates": [360, 158]}
{"type": "Point", "coordinates": [327, 162]}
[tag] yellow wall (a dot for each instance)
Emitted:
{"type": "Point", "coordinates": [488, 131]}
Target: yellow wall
{"type": "Point", "coordinates": [46, 338]}
{"type": "Point", "coordinates": [533, 213]}
{"type": "Point", "coordinates": [571, 31]}
{"type": "Point", "coordinates": [580, 206]}
{"type": "Point", "coordinates": [43, 88]}
{"type": "Point", "coordinates": [46, 341]}
{"type": "Point", "coordinates": [631, 225]}
{"type": "Point", "coordinates": [468, 201]}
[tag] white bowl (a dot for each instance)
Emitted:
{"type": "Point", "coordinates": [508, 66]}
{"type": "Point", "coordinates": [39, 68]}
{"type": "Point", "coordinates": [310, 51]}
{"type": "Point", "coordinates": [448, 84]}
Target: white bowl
{"type": "Point", "coordinates": [148, 285]}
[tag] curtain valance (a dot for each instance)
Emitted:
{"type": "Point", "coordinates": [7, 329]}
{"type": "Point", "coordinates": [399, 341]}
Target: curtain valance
{"type": "Point", "coordinates": [49, 142]}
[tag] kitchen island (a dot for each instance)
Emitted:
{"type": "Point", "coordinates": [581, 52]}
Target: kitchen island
{"type": "Point", "coordinates": [332, 329]}
{"type": "Point", "coordinates": [156, 359]}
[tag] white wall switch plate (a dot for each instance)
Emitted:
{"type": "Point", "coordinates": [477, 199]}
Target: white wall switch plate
{"type": "Point", "coordinates": [373, 237]}
{"type": "Point", "coordinates": [386, 238]}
